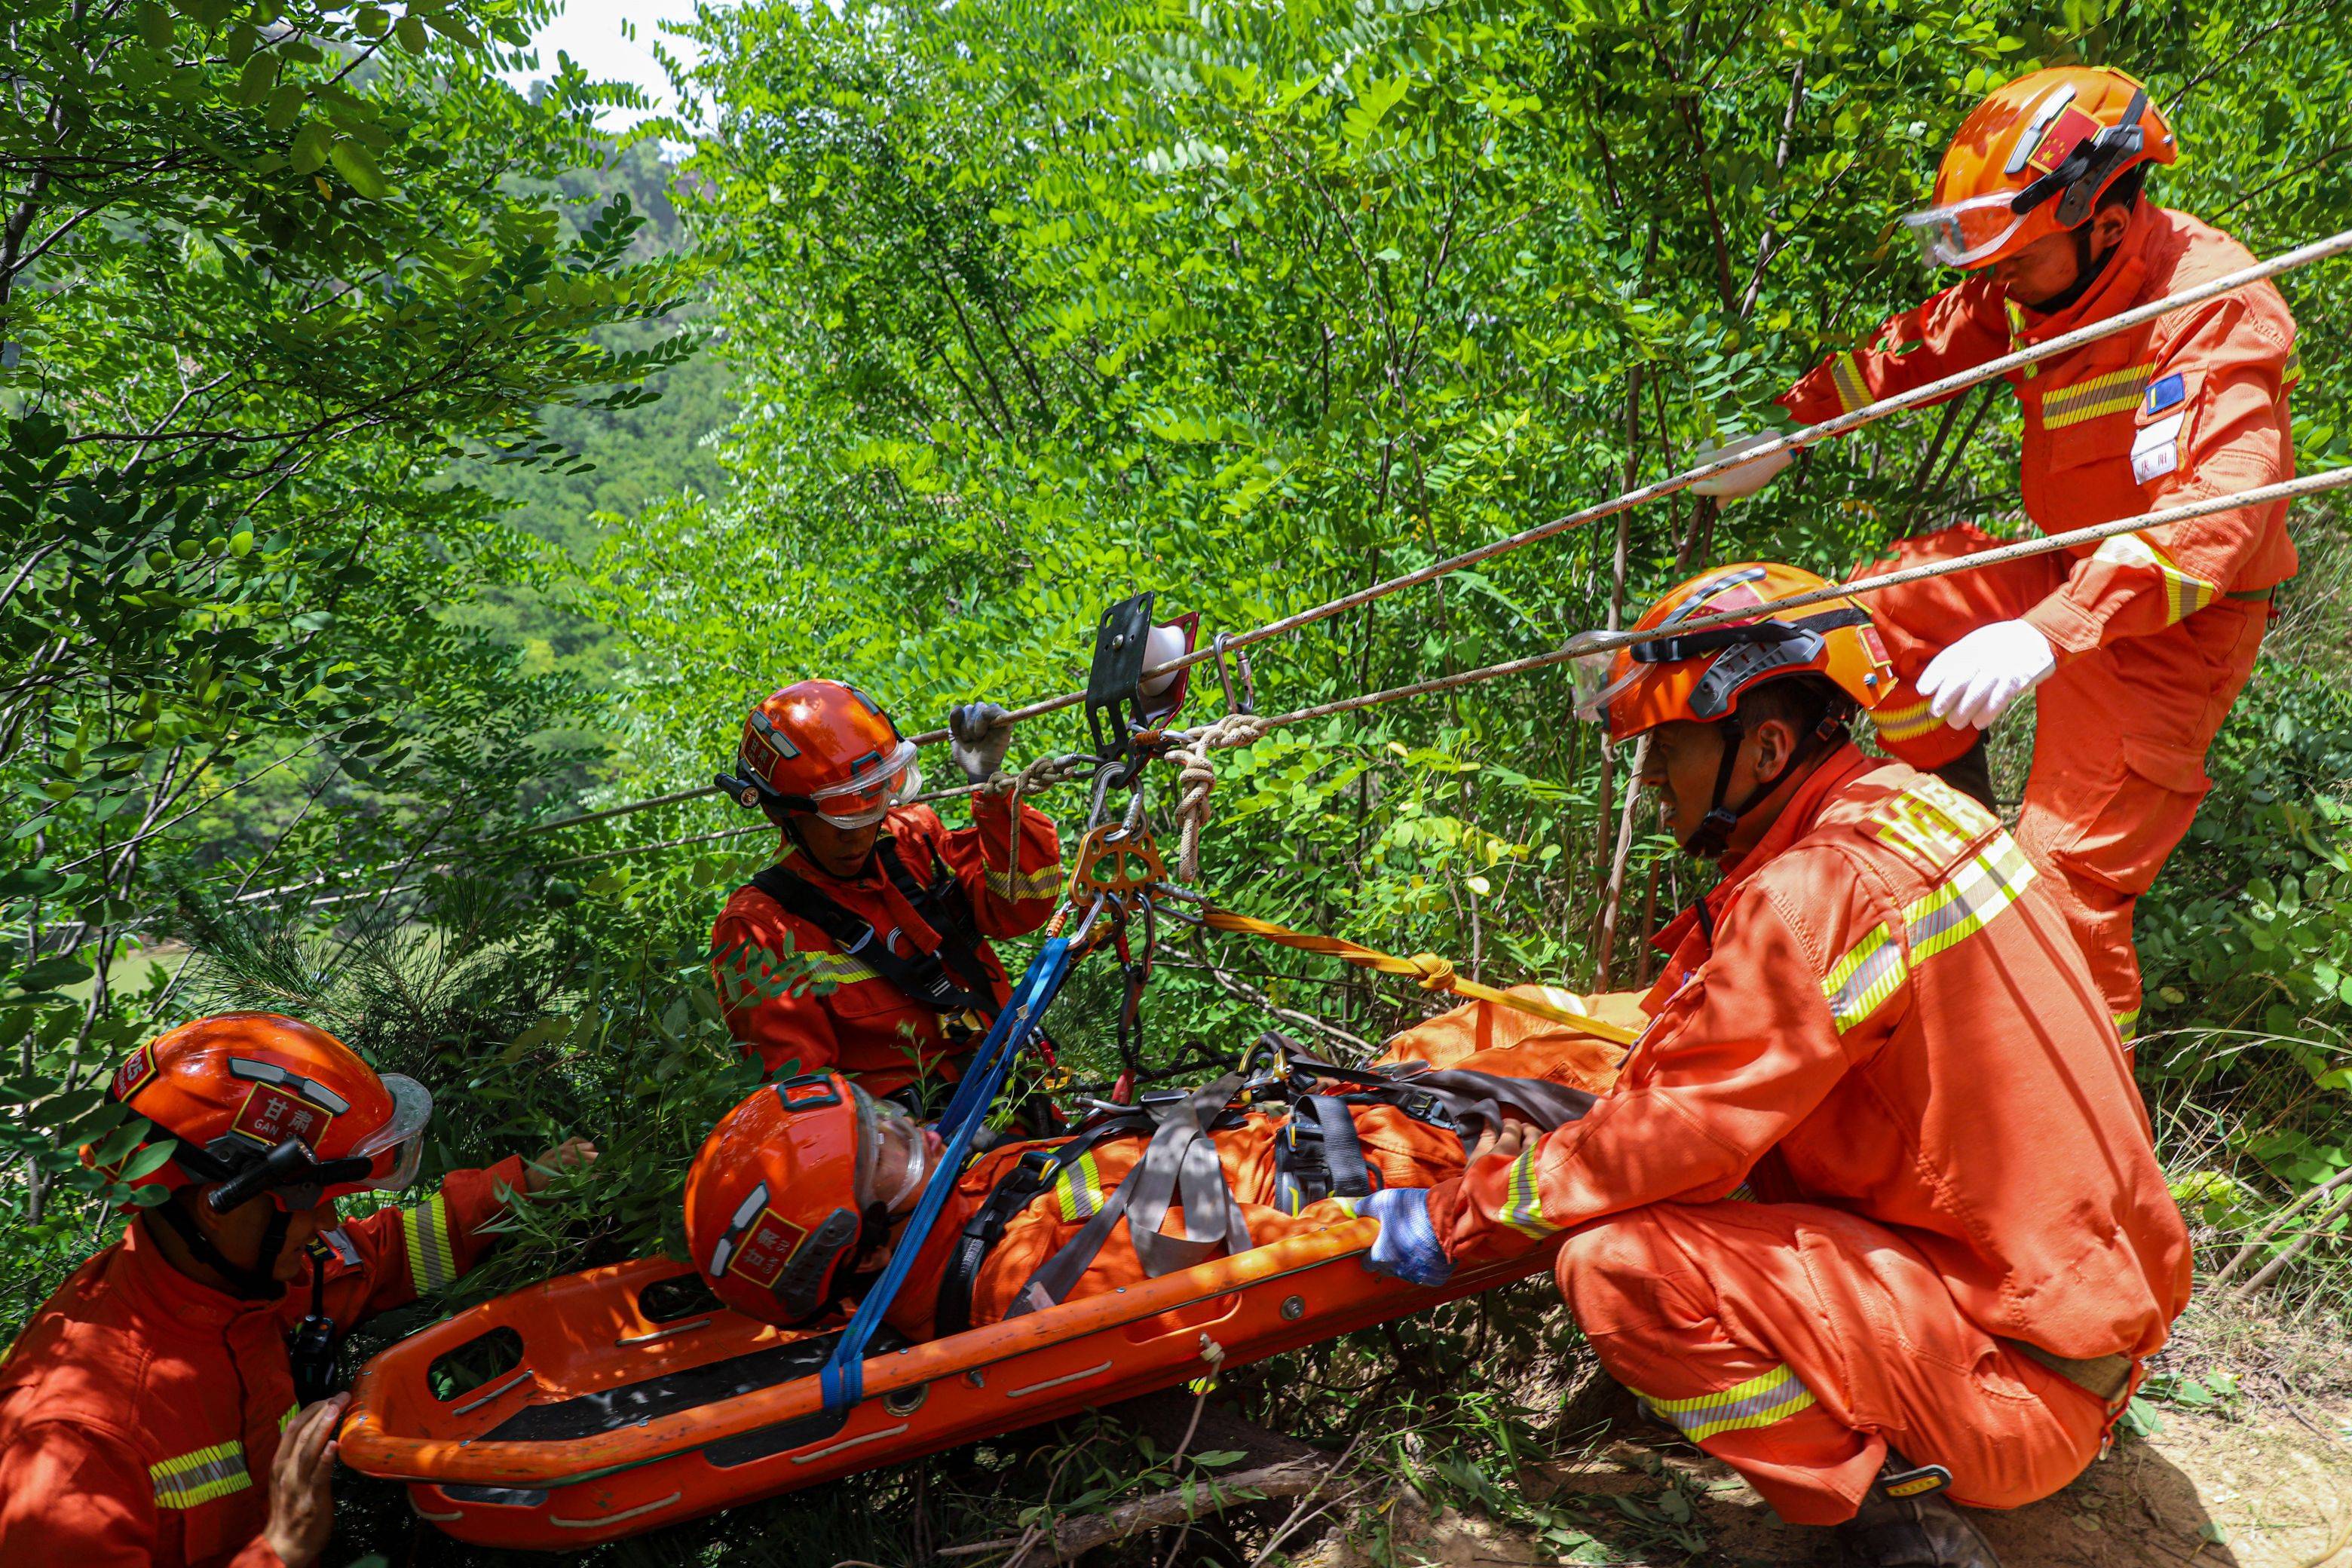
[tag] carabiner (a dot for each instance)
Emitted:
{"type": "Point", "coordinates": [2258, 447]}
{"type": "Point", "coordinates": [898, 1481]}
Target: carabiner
{"type": "Point", "coordinates": [1248, 704]}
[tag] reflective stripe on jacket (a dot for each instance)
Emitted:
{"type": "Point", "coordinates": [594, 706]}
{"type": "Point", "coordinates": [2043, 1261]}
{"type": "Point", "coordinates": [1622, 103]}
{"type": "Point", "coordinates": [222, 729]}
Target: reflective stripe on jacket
{"type": "Point", "coordinates": [2191, 404]}
{"type": "Point", "coordinates": [140, 1411]}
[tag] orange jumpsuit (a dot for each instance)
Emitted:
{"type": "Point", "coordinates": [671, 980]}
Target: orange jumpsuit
{"type": "Point", "coordinates": [2155, 633]}
{"type": "Point", "coordinates": [1478, 1038]}
{"type": "Point", "coordinates": [844, 1015]}
{"type": "Point", "coordinates": [140, 1411]}
{"type": "Point", "coordinates": [1879, 1140]}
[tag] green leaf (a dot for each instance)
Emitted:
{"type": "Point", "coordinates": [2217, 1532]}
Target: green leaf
{"type": "Point", "coordinates": [260, 75]}
{"type": "Point", "coordinates": [411, 32]}
{"type": "Point", "coordinates": [155, 28]}
{"type": "Point", "coordinates": [54, 974]}
{"type": "Point", "coordinates": [149, 1160]}
{"type": "Point", "coordinates": [355, 164]}
{"type": "Point", "coordinates": [121, 1141]}
{"type": "Point", "coordinates": [310, 147]}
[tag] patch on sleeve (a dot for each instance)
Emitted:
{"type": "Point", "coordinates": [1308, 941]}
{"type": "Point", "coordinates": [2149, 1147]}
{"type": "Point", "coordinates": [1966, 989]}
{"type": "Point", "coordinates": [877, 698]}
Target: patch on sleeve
{"type": "Point", "coordinates": [2156, 449]}
{"type": "Point", "coordinates": [1930, 823]}
{"type": "Point", "coordinates": [2169, 392]}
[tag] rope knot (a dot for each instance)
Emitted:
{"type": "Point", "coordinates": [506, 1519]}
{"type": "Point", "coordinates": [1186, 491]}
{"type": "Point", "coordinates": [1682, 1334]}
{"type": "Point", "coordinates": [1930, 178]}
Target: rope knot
{"type": "Point", "coordinates": [1436, 974]}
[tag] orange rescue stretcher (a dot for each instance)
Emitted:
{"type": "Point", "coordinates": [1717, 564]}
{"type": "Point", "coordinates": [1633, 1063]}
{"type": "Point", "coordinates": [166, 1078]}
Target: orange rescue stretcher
{"type": "Point", "coordinates": [631, 1407]}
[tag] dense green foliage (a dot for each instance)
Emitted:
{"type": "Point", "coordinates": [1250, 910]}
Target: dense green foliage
{"type": "Point", "coordinates": [1011, 313]}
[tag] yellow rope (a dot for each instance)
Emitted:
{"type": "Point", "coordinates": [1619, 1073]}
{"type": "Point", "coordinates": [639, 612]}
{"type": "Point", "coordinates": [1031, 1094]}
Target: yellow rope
{"type": "Point", "coordinates": [1435, 973]}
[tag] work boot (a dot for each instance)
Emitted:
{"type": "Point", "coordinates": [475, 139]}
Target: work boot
{"type": "Point", "coordinates": [1906, 1522]}
{"type": "Point", "coordinates": [1970, 772]}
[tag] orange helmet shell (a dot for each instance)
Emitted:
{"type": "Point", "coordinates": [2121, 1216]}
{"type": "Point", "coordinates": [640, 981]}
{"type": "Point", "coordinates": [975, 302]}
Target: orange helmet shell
{"type": "Point", "coordinates": [817, 742]}
{"type": "Point", "coordinates": [2024, 130]}
{"type": "Point", "coordinates": [1644, 695]}
{"type": "Point", "coordinates": [773, 1217]}
{"type": "Point", "coordinates": [241, 1083]}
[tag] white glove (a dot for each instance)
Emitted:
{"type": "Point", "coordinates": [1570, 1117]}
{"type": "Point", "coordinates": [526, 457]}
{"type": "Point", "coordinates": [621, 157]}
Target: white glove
{"type": "Point", "coordinates": [978, 734]}
{"type": "Point", "coordinates": [1739, 483]}
{"type": "Point", "coordinates": [1974, 680]}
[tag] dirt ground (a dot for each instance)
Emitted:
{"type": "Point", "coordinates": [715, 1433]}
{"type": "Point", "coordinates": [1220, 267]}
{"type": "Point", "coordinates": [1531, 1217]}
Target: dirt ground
{"type": "Point", "coordinates": [2252, 1482]}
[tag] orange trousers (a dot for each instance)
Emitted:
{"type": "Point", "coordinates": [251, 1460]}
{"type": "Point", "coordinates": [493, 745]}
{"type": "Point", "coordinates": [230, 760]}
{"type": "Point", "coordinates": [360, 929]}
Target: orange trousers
{"type": "Point", "coordinates": [1796, 1342]}
{"type": "Point", "coordinates": [2119, 738]}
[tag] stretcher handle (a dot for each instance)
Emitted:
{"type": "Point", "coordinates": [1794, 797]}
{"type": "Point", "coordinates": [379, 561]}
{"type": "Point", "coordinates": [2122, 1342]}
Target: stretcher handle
{"type": "Point", "coordinates": [842, 1379]}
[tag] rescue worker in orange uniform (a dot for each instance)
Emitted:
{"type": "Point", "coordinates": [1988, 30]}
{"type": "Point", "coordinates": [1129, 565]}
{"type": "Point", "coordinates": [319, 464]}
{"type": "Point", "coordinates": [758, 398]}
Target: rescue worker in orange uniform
{"type": "Point", "coordinates": [173, 1403]}
{"type": "Point", "coordinates": [1873, 1208]}
{"type": "Point", "coordinates": [864, 946]}
{"type": "Point", "coordinates": [798, 1196]}
{"type": "Point", "coordinates": [2140, 644]}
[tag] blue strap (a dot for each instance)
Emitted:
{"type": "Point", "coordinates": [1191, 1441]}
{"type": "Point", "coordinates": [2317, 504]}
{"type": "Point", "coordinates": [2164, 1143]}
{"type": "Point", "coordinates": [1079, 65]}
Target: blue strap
{"type": "Point", "coordinates": [842, 1377]}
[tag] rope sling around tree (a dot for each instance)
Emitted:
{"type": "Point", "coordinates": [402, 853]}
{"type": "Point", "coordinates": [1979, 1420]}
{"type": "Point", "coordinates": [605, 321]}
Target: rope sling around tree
{"type": "Point", "coordinates": [1812, 434]}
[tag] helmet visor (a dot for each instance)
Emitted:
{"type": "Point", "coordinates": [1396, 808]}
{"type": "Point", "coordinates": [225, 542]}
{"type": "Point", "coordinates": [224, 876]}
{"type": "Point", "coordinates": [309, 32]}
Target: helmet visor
{"type": "Point", "coordinates": [867, 795]}
{"type": "Point", "coordinates": [396, 1149]}
{"type": "Point", "coordinates": [1595, 688]}
{"type": "Point", "coordinates": [1962, 233]}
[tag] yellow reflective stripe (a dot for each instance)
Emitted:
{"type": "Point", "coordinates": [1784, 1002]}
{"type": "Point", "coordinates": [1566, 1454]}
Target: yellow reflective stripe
{"type": "Point", "coordinates": [1027, 884]}
{"type": "Point", "coordinates": [1904, 723]}
{"type": "Point", "coordinates": [1969, 898]}
{"type": "Point", "coordinates": [1078, 1190]}
{"type": "Point", "coordinates": [2114, 393]}
{"type": "Point", "coordinates": [838, 969]}
{"type": "Point", "coordinates": [1523, 1208]}
{"type": "Point", "coordinates": [2294, 371]}
{"type": "Point", "coordinates": [1845, 371]}
{"type": "Point", "coordinates": [1758, 1402]}
{"type": "Point", "coordinates": [2127, 1024]}
{"type": "Point", "coordinates": [287, 1419]}
{"type": "Point", "coordinates": [2184, 595]}
{"type": "Point", "coordinates": [200, 1476]}
{"type": "Point", "coordinates": [1867, 976]}
{"type": "Point", "coordinates": [432, 1259]}
{"type": "Point", "coordinates": [1977, 891]}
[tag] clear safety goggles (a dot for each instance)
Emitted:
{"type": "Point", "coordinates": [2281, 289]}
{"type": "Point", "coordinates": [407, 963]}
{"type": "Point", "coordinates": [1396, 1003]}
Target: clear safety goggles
{"type": "Point", "coordinates": [394, 1151]}
{"type": "Point", "coordinates": [1592, 687]}
{"type": "Point", "coordinates": [887, 1135]}
{"type": "Point", "coordinates": [1962, 234]}
{"type": "Point", "coordinates": [866, 797]}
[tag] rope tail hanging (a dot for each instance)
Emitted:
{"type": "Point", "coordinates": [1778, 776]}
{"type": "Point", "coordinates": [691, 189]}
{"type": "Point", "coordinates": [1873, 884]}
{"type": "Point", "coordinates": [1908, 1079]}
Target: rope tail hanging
{"type": "Point", "coordinates": [1433, 972]}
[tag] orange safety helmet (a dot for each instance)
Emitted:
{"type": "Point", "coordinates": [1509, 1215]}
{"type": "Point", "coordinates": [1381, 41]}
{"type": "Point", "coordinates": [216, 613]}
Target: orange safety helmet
{"type": "Point", "coordinates": [824, 747]}
{"type": "Point", "coordinates": [1700, 676]}
{"type": "Point", "coordinates": [2032, 159]}
{"type": "Point", "coordinates": [260, 1104]}
{"type": "Point", "coordinates": [781, 1201]}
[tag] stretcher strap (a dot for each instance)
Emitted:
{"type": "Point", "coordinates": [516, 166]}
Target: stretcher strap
{"type": "Point", "coordinates": [1179, 1162]}
{"type": "Point", "coordinates": [1343, 1152]}
{"type": "Point", "coordinates": [1476, 1101]}
{"type": "Point", "coordinates": [1435, 973]}
{"type": "Point", "coordinates": [843, 1378]}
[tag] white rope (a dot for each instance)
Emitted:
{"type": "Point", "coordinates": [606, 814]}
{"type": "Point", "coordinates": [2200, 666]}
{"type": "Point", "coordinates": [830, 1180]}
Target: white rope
{"type": "Point", "coordinates": [1812, 434]}
{"type": "Point", "coordinates": [1195, 778]}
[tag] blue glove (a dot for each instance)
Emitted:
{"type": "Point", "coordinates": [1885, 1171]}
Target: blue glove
{"type": "Point", "coordinates": [1408, 1247]}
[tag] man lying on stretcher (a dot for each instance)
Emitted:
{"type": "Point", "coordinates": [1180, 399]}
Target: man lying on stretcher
{"type": "Point", "coordinates": [801, 1192]}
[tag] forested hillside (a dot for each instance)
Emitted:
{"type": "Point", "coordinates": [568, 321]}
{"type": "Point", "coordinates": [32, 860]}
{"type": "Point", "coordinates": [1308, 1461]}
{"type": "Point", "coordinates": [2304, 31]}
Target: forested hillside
{"type": "Point", "coordinates": [391, 465]}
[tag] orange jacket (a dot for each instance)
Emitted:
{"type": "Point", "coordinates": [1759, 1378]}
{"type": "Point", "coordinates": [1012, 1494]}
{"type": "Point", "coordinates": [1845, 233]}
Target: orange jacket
{"type": "Point", "coordinates": [844, 1015]}
{"type": "Point", "coordinates": [140, 1411]}
{"type": "Point", "coordinates": [2191, 404]}
{"type": "Point", "coordinates": [1476, 1037]}
{"type": "Point", "coordinates": [1890, 1019]}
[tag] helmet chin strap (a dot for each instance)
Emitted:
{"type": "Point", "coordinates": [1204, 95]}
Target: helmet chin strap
{"type": "Point", "coordinates": [258, 1283]}
{"type": "Point", "coordinates": [1715, 829]}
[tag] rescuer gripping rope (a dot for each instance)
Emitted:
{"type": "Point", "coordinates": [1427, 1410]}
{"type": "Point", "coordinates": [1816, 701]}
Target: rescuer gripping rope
{"type": "Point", "coordinates": [1722, 462]}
